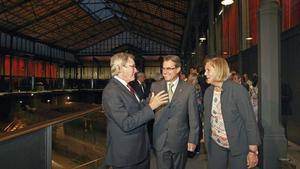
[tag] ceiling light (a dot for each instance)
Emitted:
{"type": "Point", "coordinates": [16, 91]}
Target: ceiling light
{"type": "Point", "coordinates": [202, 39]}
{"type": "Point", "coordinates": [193, 53]}
{"type": "Point", "coordinates": [249, 38]}
{"type": "Point", "coordinates": [221, 11]}
{"type": "Point", "coordinates": [227, 2]}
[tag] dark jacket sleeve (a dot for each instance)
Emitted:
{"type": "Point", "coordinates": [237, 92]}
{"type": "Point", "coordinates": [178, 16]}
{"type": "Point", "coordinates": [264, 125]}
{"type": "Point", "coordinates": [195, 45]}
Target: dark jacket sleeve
{"type": "Point", "coordinates": [247, 114]}
{"type": "Point", "coordinates": [114, 106]}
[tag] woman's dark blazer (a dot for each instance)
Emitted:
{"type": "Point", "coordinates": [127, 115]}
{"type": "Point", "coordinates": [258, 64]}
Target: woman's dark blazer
{"type": "Point", "coordinates": [238, 115]}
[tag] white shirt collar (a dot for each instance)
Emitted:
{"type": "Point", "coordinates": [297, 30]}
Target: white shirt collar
{"type": "Point", "coordinates": [139, 82]}
{"type": "Point", "coordinates": [125, 84]}
{"type": "Point", "coordinates": [121, 80]}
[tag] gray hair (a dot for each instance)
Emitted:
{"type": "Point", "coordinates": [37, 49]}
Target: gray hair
{"type": "Point", "coordinates": [117, 60]}
{"type": "Point", "coordinates": [173, 58]}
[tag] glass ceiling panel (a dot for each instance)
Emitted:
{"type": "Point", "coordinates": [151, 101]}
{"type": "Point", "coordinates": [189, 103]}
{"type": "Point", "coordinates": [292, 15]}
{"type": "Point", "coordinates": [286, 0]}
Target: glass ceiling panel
{"type": "Point", "coordinates": [100, 9]}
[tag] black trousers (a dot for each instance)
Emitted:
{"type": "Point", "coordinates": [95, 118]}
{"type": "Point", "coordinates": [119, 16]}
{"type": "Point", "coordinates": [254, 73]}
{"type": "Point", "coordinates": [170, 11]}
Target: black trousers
{"type": "Point", "coordinates": [166, 159]}
{"type": "Point", "coordinates": [220, 158]}
{"type": "Point", "coordinates": [142, 165]}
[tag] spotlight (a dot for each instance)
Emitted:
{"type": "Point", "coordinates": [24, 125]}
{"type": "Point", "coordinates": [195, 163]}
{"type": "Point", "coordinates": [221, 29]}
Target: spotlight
{"type": "Point", "coordinates": [227, 2]}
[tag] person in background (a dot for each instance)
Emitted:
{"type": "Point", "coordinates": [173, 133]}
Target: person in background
{"type": "Point", "coordinates": [246, 79]}
{"type": "Point", "coordinates": [182, 76]}
{"type": "Point", "coordinates": [193, 80]}
{"type": "Point", "coordinates": [232, 73]}
{"type": "Point", "coordinates": [231, 133]}
{"type": "Point", "coordinates": [176, 126]}
{"type": "Point", "coordinates": [139, 85]}
{"type": "Point", "coordinates": [127, 116]}
{"type": "Point", "coordinates": [237, 78]}
{"type": "Point", "coordinates": [253, 92]}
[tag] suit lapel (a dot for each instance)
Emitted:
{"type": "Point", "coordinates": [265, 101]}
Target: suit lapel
{"type": "Point", "coordinates": [178, 91]}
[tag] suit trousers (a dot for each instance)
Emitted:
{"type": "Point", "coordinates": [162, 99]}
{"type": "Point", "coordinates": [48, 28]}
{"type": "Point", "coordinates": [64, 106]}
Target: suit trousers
{"type": "Point", "coordinates": [142, 165]}
{"type": "Point", "coordinates": [219, 158]}
{"type": "Point", "coordinates": [166, 159]}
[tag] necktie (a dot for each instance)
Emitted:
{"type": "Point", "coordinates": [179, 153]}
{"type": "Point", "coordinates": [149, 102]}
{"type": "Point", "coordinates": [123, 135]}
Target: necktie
{"type": "Point", "coordinates": [132, 91]}
{"type": "Point", "coordinates": [170, 91]}
{"type": "Point", "coordinates": [142, 86]}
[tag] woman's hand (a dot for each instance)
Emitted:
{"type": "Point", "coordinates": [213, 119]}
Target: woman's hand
{"type": "Point", "coordinates": [252, 159]}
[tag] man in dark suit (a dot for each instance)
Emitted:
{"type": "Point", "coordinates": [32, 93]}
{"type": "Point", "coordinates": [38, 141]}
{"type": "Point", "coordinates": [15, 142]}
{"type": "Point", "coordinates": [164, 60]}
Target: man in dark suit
{"type": "Point", "coordinates": [176, 126]}
{"type": "Point", "coordinates": [127, 116]}
{"type": "Point", "coordinates": [139, 85]}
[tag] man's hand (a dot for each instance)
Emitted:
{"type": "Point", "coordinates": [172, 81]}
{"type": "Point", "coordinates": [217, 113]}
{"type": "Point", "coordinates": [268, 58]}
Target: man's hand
{"type": "Point", "coordinates": [158, 99]}
{"type": "Point", "coordinates": [191, 147]}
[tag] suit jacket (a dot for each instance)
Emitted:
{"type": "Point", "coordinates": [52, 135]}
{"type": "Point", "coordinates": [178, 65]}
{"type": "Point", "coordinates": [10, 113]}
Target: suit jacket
{"type": "Point", "coordinates": [176, 123]}
{"type": "Point", "coordinates": [127, 138]}
{"type": "Point", "coordinates": [138, 89]}
{"type": "Point", "coordinates": [239, 121]}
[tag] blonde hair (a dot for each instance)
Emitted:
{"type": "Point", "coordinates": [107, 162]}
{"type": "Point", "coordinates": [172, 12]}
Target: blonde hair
{"type": "Point", "coordinates": [221, 67]}
{"type": "Point", "coordinates": [117, 60]}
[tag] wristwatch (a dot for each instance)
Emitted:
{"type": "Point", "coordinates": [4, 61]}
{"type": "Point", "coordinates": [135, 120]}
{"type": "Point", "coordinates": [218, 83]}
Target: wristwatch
{"type": "Point", "coordinates": [253, 151]}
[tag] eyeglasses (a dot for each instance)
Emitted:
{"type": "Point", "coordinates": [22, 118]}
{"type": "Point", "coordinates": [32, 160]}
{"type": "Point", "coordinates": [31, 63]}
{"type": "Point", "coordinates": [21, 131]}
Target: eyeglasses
{"type": "Point", "coordinates": [168, 68]}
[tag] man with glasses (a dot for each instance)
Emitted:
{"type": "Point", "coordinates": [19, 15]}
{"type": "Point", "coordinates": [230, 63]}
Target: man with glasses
{"type": "Point", "coordinates": [176, 126]}
{"type": "Point", "coordinates": [127, 116]}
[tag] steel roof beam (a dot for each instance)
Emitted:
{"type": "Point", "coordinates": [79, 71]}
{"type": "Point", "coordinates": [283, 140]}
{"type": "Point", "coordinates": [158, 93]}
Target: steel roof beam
{"type": "Point", "coordinates": [126, 22]}
{"type": "Point", "coordinates": [156, 39]}
{"type": "Point", "coordinates": [150, 23]}
{"type": "Point", "coordinates": [151, 31]}
{"type": "Point", "coordinates": [101, 40]}
{"type": "Point", "coordinates": [159, 4]}
{"type": "Point", "coordinates": [95, 34]}
{"type": "Point", "coordinates": [14, 6]}
{"type": "Point", "coordinates": [67, 24]}
{"type": "Point", "coordinates": [35, 20]}
{"type": "Point", "coordinates": [150, 14]}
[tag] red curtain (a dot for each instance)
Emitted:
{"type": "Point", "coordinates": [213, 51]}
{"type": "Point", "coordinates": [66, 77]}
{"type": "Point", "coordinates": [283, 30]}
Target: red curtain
{"type": "Point", "coordinates": [48, 70]}
{"type": "Point", "coordinates": [30, 68]}
{"type": "Point", "coordinates": [225, 44]}
{"type": "Point", "coordinates": [230, 31]}
{"type": "Point", "coordinates": [7, 65]}
{"type": "Point", "coordinates": [295, 12]}
{"type": "Point", "coordinates": [18, 67]}
{"type": "Point", "coordinates": [290, 13]}
{"type": "Point", "coordinates": [253, 8]}
{"type": "Point", "coordinates": [233, 30]}
{"type": "Point", "coordinates": [286, 13]}
{"type": "Point", "coordinates": [53, 70]}
{"type": "Point", "coordinates": [38, 70]}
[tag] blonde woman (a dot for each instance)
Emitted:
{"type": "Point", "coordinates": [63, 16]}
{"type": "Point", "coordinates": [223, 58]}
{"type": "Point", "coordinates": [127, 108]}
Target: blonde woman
{"type": "Point", "coordinates": [230, 129]}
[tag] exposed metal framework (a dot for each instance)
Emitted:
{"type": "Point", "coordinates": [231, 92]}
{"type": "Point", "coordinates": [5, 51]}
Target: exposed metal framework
{"type": "Point", "coordinates": [146, 46]}
{"type": "Point", "coordinates": [82, 25]}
